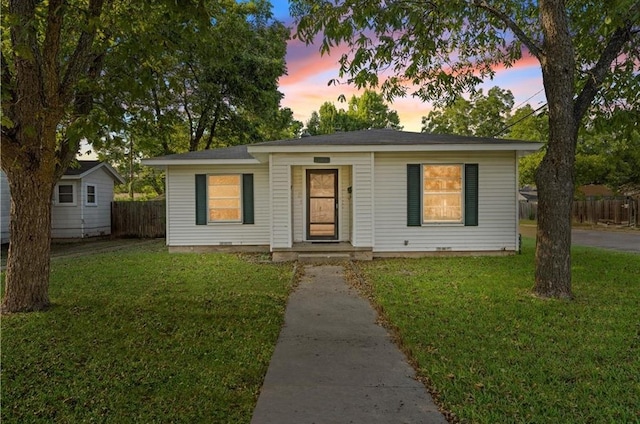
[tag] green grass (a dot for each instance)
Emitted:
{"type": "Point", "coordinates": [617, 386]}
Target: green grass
{"type": "Point", "coordinates": [494, 353]}
{"type": "Point", "coordinates": [145, 336]}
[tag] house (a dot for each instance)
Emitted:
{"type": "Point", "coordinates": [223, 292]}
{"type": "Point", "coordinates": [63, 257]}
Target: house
{"type": "Point", "coordinates": [81, 201]}
{"type": "Point", "coordinates": [369, 193]}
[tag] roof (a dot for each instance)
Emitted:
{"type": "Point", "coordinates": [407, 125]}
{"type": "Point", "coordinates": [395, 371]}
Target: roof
{"type": "Point", "coordinates": [234, 152]}
{"type": "Point", "coordinates": [83, 166]}
{"type": "Point", "coordinates": [378, 140]}
{"type": "Point", "coordinates": [86, 167]}
{"type": "Point", "coordinates": [382, 137]}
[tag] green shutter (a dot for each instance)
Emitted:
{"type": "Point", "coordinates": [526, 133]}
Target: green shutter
{"type": "Point", "coordinates": [201, 199]}
{"type": "Point", "coordinates": [471, 194]}
{"type": "Point", "coordinates": [247, 199]}
{"type": "Point", "coordinates": [413, 196]}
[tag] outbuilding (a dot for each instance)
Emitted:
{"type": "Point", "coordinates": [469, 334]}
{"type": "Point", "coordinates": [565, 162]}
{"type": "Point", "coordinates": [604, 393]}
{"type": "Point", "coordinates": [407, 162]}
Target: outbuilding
{"type": "Point", "coordinates": [81, 201]}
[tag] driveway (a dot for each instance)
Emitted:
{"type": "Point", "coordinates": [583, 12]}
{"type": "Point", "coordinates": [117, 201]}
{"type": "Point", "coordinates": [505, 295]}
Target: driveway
{"type": "Point", "coordinates": [621, 240]}
{"type": "Point", "coordinates": [615, 240]}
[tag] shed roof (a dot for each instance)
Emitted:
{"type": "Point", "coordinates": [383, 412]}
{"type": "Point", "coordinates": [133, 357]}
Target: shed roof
{"type": "Point", "coordinates": [86, 167]}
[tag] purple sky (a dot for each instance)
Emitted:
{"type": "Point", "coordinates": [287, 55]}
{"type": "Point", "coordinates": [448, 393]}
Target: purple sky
{"type": "Point", "coordinates": [305, 87]}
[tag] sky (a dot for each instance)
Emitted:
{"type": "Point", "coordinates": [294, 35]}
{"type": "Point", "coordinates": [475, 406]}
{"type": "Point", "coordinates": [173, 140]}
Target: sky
{"type": "Point", "coordinates": [308, 73]}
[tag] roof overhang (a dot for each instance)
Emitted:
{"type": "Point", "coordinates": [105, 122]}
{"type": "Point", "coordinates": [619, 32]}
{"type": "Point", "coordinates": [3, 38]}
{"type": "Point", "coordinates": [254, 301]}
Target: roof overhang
{"type": "Point", "coordinates": [523, 147]}
{"type": "Point", "coordinates": [161, 163]}
{"type": "Point", "coordinates": [110, 170]}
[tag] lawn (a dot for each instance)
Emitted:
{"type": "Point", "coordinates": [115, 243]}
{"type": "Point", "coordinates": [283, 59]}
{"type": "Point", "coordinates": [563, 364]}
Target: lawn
{"type": "Point", "coordinates": [494, 353]}
{"type": "Point", "coordinates": [144, 336]}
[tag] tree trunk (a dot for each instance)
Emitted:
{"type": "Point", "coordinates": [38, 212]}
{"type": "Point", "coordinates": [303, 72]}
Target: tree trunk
{"type": "Point", "coordinates": [27, 274]}
{"type": "Point", "coordinates": [553, 242]}
{"type": "Point", "coordinates": [555, 176]}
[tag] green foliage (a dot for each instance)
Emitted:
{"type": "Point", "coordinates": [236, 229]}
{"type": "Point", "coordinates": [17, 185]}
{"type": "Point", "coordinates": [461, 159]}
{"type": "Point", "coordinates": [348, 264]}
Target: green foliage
{"type": "Point", "coordinates": [528, 124]}
{"type": "Point", "coordinates": [366, 111]}
{"type": "Point", "coordinates": [437, 50]}
{"type": "Point", "coordinates": [496, 354]}
{"type": "Point", "coordinates": [141, 335]}
{"type": "Point", "coordinates": [482, 116]}
{"type": "Point", "coordinates": [179, 82]}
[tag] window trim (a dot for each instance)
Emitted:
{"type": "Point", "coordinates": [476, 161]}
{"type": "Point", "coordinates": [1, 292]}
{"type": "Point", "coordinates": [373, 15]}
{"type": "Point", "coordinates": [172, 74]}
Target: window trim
{"type": "Point", "coordinates": [240, 220]}
{"type": "Point", "coordinates": [57, 201]}
{"type": "Point", "coordinates": [459, 222]}
{"type": "Point", "coordinates": [95, 195]}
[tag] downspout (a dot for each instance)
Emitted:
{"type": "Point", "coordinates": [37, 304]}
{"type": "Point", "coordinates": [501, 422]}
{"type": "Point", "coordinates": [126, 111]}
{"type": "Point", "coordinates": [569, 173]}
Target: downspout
{"type": "Point", "coordinates": [81, 203]}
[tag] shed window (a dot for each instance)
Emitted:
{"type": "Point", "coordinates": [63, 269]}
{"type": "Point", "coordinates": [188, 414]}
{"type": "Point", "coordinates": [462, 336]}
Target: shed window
{"type": "Point", "coordinates": [224, 198]}
{"type": "Point", "coordinates": [65, 194]}
{"type": "Point", "coordinates": [442, 194]}
{"type": "Point", "coordinates": [92, 197]}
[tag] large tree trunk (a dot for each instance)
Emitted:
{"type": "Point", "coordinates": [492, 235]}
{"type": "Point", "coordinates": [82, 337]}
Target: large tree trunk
{"type": "Point", "coordinates": [40, 91]}
{"type": "Point", "coordinates": [27, 277]}
{"type": "Point", "coordinates": [555, 176]}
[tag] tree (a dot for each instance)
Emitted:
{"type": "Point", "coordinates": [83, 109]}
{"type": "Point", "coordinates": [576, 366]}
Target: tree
{"type": "Point", "coordinates": [482, 116]}
{"type": "Point", "coordinates": [587, 51]}
{"type": "Point", "coordinates": [212, 77]}
{"type": "Point", "coordinates": [51, 56]}
{"type": "Point", "coordinates": [366, 111]}
{"type": "Point", "coordinates": [53, 61]}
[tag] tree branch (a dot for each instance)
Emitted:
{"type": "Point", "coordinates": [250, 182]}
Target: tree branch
{"type": "Point", "coordinates": [81, 55]}
{"type": "Point", "coordinates": [513, 26]}
{"type": "Point", "coordinates": [597, 74]}
{"type": "Point", "coordinates": [51, 51]}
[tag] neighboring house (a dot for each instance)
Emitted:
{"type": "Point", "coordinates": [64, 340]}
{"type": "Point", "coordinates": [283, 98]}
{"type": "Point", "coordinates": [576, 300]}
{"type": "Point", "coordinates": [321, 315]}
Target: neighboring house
{"type": "Point", "coordinates": [372, 192]}
{"type": "Point", "coordinates": [81, 201]}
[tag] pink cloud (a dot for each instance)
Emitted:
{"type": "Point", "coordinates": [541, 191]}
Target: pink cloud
{"type": "Point", "coordinates": [305, 87]}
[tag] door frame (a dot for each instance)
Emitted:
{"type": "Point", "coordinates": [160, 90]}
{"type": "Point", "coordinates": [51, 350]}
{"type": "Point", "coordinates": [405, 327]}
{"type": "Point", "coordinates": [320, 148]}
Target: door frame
{"type": "Point", "coordinates": [336, 190]}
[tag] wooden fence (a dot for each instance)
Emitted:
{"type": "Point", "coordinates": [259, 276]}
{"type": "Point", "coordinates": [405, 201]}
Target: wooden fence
{"type": "Point", "coordinates": [138, 219]}
{"type": "Point", "coordinates": [617, 212]}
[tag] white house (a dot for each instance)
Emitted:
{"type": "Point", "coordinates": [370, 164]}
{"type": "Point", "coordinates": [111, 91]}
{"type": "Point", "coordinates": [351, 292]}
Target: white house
{"type": "Point", "coordinates": [81, 201]}
{"type": "Point", "coordinates": [366, 193]}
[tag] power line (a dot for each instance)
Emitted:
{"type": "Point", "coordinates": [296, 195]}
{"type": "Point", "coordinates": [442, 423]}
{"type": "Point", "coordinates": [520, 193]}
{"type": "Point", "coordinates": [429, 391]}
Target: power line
{"type": "Point", "coordinates": [519, 120]}
{"type": "Point", "coordinates": [534, 95]}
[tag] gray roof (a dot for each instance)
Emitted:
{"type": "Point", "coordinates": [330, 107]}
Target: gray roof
{"type": "Point", "coordinates": [233, 152]}
{"type": "Point", "coordinates": [83, 166]}
{"type": "Point", "coordinates": [378, 137]}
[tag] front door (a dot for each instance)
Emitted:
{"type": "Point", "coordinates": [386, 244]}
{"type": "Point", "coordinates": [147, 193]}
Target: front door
{"type": "Point", "coordinates": [322, 204]}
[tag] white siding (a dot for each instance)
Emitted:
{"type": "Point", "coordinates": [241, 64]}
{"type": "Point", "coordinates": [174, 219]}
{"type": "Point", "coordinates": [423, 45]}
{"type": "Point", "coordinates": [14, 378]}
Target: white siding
{"type": "Point", "coordinates": [288, 181]}
{"type": "Point", "coordinates": [281, 231]}
{"type": "Point", "coordinates": [181, 210]}
{"type": "Point", "coordinates": [97, 219]}
{"type": "Point", "coordinates": [496, 228]}
{"type": "Point", "coordinates": [66, 218]}
{"type": "Point", "coordinates": [5, 208]}
{"type": "Point", "coordinates": [363, 193]}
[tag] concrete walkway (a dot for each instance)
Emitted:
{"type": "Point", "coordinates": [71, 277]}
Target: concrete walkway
{"type": "Point", "coordinates": [334, 364]}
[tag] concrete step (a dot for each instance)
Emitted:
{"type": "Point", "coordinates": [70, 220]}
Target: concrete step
{"type": "Point", "coordinates": [324, 257]}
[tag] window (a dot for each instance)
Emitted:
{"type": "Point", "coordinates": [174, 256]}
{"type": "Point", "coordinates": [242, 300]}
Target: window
{"type": "Point", "coordinates": [92, 196]}
{"type": "Point", "coordinates": [210, 199]}
{"type": "Point", "coordinates": [224, 198]}
{"type": "Point", "coordinates": [442, 193]}
{"type": "Point", "coordinates": [65, 194]}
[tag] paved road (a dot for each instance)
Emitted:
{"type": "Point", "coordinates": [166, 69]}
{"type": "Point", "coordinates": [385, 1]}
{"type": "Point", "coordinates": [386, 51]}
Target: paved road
{"type": "Point", "coordinates": [615, 240]}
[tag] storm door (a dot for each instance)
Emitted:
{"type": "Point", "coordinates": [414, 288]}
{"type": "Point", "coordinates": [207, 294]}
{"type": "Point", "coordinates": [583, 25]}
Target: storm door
{"type": "Point", "coordinates": [322, 204]}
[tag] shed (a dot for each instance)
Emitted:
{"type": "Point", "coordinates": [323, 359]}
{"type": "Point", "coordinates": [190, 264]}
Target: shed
{"type": "Point", "coordinates": [81, 201]}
